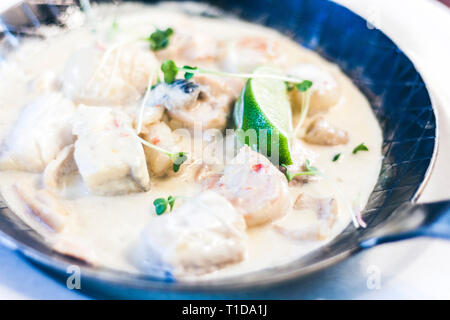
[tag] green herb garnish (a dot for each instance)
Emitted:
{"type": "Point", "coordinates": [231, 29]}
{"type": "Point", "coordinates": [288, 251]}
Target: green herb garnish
{"type": "Point", "coordinates": [289, 86]}
{"type": "Point", "coordinates": [313, 171]}
{"type": "Point", "coordinates": [189, 75]}
{"type": "Point", "coordinates": [159, 39]}
{"type": "Point", "coordinates": [309, 171]}
{"type": "Point", "coordinates": [304, 85]}
{"type": "Point", "coordinates": [178, 158]}
{"type": "Point", "coordinates": [361, 147]}
{"type": "Point", "coordinates": [336, 157]}
{"type": "Point", "coordinates": [170, 70]}
{"type": "Point", "coordinates": [161, 204]}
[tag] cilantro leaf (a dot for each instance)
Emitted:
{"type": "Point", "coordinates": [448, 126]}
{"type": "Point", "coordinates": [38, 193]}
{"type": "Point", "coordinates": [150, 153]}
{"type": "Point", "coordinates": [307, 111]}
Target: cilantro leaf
{"type": "Point", "coordinates": [360, 147]}
{"type": "Point", "coordinates": [336, 157]}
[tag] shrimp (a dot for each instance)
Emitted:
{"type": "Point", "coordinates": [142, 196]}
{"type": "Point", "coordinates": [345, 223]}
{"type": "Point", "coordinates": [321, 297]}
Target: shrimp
{"type": "Point", "coordinates": [256, 188]}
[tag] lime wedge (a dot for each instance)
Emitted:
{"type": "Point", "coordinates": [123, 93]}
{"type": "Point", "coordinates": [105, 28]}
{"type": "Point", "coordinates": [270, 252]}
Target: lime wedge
{"type": "Point", "coordinates": [264, 107]}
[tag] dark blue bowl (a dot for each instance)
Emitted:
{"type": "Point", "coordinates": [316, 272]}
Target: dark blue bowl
{"type": "Point", "coordinates": [398, 97]}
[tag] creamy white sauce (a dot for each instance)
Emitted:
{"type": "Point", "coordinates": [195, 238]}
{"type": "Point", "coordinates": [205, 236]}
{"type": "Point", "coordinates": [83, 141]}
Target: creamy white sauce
{"type": "Point", "coordinates": [102, 229]}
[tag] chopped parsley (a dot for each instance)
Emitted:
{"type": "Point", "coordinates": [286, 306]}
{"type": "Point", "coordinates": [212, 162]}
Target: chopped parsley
{"type": "Point", "coordinates": [360, 147]}
{"type": "Point", "coordinates": [336, 157]}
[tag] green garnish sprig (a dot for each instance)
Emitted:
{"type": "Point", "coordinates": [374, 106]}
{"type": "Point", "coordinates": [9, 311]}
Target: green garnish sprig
{"type": "Point", "coordinates": [360, 147]}
{"type": "Point", "coordinates": [309, 171]}
{"type": "Point", "coordinates": [178, 158]}
{"type": "Point", "coordinates": [313, 171]}
{"type": "Point", "coordinates": [159, 39]}
{"type": "Point", "coordinates": [336, 157]}
{"type": "Point", "coordinates": [162, 204]}
{"type": "Point", "coordinates": [300, 86]}
{"type": "Point", "coordinates": [171, 70]}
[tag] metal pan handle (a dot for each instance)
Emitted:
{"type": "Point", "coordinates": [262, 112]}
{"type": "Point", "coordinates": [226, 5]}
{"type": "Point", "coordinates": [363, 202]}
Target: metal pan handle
{"type": "Point", "coordinates": [413, 220]}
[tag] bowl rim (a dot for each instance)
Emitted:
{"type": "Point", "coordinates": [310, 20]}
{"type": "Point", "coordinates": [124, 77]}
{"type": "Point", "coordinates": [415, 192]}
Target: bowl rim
{"type": "Point", "coordinates": [58, 263]}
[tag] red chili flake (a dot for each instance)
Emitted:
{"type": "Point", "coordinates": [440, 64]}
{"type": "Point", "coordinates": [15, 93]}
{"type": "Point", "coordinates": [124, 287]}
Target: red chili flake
{"type": "Point", "coordinates": [116, 123]}
{"type": "Point", "coordinates": [257, 167]}
{"type": "Point", "coordinates": [155, 140]}
{"type": "Point", "coordinates": [123, 134]}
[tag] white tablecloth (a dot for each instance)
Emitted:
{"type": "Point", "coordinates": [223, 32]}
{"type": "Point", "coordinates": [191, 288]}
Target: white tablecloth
{"type": "Point", "coordinates": [406, 270]}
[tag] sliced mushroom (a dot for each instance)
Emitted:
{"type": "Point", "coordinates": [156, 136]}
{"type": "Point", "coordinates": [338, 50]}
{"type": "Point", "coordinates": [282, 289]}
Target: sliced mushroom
{"type": "Point", "coordinates": [44, 206]}
{"type": "Point", "coordinates": [59, 168]}
{"type": "Point", "coordinates": [321, 132]}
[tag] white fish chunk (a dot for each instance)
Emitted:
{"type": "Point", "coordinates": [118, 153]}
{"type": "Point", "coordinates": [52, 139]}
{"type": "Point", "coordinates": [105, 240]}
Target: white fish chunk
{"type": "Point", "coordinates": [255, 187]}
{"type": "Point", "coordinates": [43, 128]}
{"type": "Point", "coordinates": [160, 135]}
{"type": "Point", "coordinates": [202, 235]}
{"type": "Point", "coordinates": [108, 78]}
{"type": "Point", "coordinates": [109, 157]}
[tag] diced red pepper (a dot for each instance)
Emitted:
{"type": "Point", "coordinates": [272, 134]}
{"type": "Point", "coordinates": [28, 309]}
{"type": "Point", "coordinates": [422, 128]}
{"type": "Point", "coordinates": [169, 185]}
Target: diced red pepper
{"type": "Point", "coordinates": [257, 167]}
{"type": "Point", "coordinates": [155, 140]}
